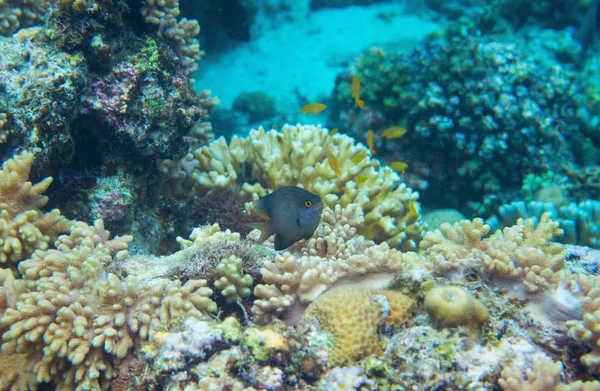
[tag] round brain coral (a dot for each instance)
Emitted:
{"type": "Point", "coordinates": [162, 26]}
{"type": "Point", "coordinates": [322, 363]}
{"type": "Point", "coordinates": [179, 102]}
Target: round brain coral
{"type": "Point", "coordinates": [353, 317]}
{"type": "Point", "coordinates": [451, 306]}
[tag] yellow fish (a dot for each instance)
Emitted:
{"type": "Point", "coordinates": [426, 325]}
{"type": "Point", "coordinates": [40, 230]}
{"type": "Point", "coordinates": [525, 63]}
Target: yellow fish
{"type": "Point", "coordinates": [399, 166]}
{"type": "Point", "coordinates": [413, 210]}
{"type": "Point", "coordinates": [333, 163]}
{"type": "Point", "coordinates": [394, 132]}
{"type": "Point", "coordinates": [313, 108]}
{"type": "Point", "coordinates": [359, 157]}
{"type": "Point", "coordinates": [370, 141]}
{"type": "Point", "coordinates": [333, 131]}
{"type": "Point", "coordinates": [361, 179]}
{"type": "Point", "coordinates": [356, 91]}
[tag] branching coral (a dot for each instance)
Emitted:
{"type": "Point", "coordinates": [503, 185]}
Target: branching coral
{"type": "Point", "coordinates": [181, 33]}
{"type": "Point", "coordinates": [23, 226]}
{"type": "Point", "coordinates": [297, 156]}
{"type": "Point", "coordinates": [15, 14]}
{"type": "Point", "coordinates": [336, 251]}
{"type": "Point", "coordinates": [523, 252]}
{"type": "Point", "coordinates": [76, 322]}
{"type": "Point", "coordinates": [233, 284]}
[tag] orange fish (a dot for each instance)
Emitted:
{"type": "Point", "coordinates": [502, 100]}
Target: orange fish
{"type": "Point", "coordinates": [333, 163]}
{"type": "Point", "coordinates": [313, 108]}
{"type": "Point", "coordinates": [356, 91]}
{"type": "Point", "coordinates": [359, 156]}
{"type": "Point", "coordinates": [394, 132]}
{"type": "Point", "coordinates": [399, 166]}
{"type": "Point", "coordinates": [361, 179]}
{"type": "Point", "coordinates": [370, 141]}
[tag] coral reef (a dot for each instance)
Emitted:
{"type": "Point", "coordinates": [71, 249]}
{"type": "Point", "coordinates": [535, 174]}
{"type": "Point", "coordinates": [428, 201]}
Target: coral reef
{"type": "Point", "coordinates": [479, 112]}
{"type": "Point", "coordinates": [335, 253]}
{"type": "Point", "coordinates": [181, 33]}
{"type": "Point", "coordinates": [523, 252]}
{"type": "Point", "coordinates": [24, 228]}
{"type": "Point", "coordinates": [76, 322]}
{"type": "Point", "coordinates": [580, 222]}
{"type": "Point", "coordinates": [297, 156]}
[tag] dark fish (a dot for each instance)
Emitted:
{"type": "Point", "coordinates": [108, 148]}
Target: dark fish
{"type": "Point", "coordinates": [588, 29]}
{"type": "Point", "coordinates": [292, 214]}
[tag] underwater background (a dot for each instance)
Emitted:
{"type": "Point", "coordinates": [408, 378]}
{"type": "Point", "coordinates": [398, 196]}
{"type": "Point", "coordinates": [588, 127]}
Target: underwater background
{"type": "Point", "coordinates": [300, 195]}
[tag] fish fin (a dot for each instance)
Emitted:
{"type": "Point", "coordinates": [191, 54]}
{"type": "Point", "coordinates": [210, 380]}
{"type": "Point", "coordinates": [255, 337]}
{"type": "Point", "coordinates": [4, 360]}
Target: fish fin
{"type": "Point", "coordinates": [260, 210]}
{"type": "Point", "coordinates": [264, 228]}
{"type": "Point", "coordinates": [281, 242]}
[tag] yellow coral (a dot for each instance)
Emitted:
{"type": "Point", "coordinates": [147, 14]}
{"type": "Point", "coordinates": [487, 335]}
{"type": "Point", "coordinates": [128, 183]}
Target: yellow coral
{"type": "Point", "coordinates": [334, 252]}
{"type": "Point", "coordinates": [23, 226]}
{"type": "Point", "coordinates": [231, 281]}
{"type": "Point", "coordinates": [524, 251]}
{"type": "Point", "coordinates": [297, 156]}
{"type": "Point", "coordinates": [353, 317]}
{"type": "Point", "coordinates": [76, 322]}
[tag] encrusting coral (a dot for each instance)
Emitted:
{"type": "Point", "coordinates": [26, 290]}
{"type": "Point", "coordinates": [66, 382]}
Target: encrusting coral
{"type": "Point", "coordinates": [24, 228]}
{"type": "Point", "coordinates": [297, 156]}
{"type": "Point", "coordinates": [76, 322]}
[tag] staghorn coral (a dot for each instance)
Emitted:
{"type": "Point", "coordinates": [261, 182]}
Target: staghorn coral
{"type": "Point", "coordinates": [336, 252]}
{"type": "Point", "coordinates": [15, 14]}
{"type": "Point", "coordinates": [296, 156]}
{"type": "Point", "coordinates": [524, 251]}
{"type": "Point", "coordinates": [76, 322]}
{"type": "Point", "coordinates": [353, 317]}
{"type": "Point", "coordinates": [24, 228]}
{"type": "Point", "coordinates": [181, 33]}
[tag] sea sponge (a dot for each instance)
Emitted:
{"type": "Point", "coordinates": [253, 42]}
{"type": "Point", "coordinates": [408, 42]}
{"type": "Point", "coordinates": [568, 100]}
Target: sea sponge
{"type": "Point", "coordinates": [24, 228]}
{"type": "Point", "coordinates": [297, 156]}
{"type": "Point", "coordinates": [451, 306]}
{"type": "Point", "coordinates": [353, 317]}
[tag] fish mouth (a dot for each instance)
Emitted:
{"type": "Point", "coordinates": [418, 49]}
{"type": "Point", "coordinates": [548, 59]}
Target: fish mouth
{"type": "Point", "coordinates": [319, 207]}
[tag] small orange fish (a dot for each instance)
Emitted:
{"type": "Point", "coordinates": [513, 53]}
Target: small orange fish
{"type": "Point", "coordinates": [361, 179]}
{"type": "Point", "coordinates": [313, 108]}
{"type": "Point", "coordinates": [399, 166]}
{"type": "Point", "coordinates": [370, 141]}
{"type": "Point", "coordinates": [356, 91]}
{"type": "Point", "coordinates": [359, 157]}
{"type": "Point", "coordinates": [394, 132]}
{"type": "Point", "coordinates": [413, 209]}
{"type": "Point", "coordinates": [333, 163]}
{"type": "Point", "coordinates": [333, 131]}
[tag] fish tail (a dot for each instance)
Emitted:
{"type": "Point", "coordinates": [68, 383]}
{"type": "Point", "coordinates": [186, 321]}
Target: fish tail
{"type": "Point", "coordinates": [264, 228]}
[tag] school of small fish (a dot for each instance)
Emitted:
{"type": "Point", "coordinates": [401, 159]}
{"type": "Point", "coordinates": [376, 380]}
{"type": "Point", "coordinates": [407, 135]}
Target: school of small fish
{"type": "Point", "coordinates": [393, 132]}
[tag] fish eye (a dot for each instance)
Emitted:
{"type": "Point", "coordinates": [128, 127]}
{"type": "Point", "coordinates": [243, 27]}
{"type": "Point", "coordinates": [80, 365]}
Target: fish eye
{"type": "Point", "coordinates": [308, 204]}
